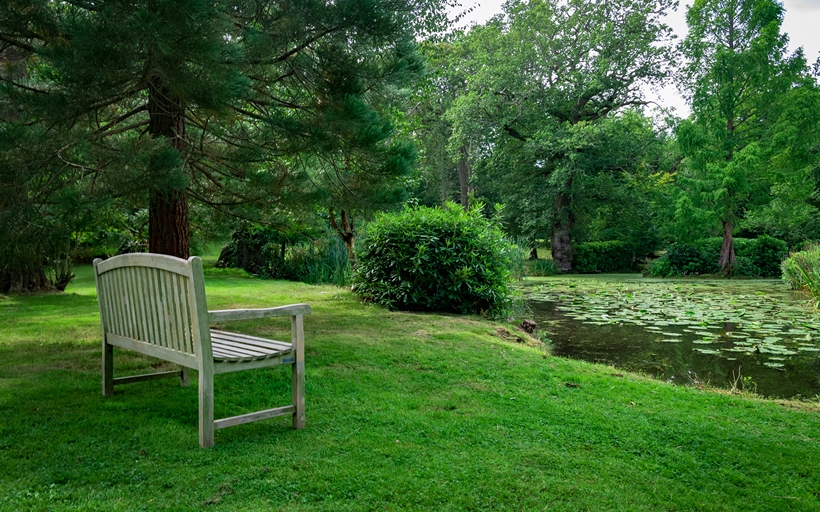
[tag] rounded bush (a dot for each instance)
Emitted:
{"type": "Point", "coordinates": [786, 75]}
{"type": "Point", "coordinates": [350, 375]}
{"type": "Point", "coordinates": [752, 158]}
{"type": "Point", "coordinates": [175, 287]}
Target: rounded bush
{"type": "Point", "coordinates": [767, 254]}
{"type": "Point", "coordinates": [435, 259]}
{"type": "Point", "coordinates": [660, 267]}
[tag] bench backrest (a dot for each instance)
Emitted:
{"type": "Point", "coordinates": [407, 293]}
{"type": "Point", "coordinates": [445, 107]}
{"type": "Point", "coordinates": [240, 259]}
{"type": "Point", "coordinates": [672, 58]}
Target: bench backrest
{"type": "Point", "coordinates": [154, 299]}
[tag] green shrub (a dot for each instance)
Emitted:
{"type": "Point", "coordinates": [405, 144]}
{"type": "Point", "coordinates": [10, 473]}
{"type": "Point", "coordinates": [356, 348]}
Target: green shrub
{"type": "Point", "coordinates": [266, 252]}
{"type": "Point", "coordinates": [802, 271]}
{"type": "Point", "coordinates": [518, 257]}
{"type": "Point", "coordinates": [660, 267]}
{"type": "Point", "coordinates": [435, 259]}
{"type": "Point", "coordinates": [609, 256]}
{"type": "Point", "coordinates": [767, 253]}
{"type": "Point", "coordinates": [687, 260]}
{"type": "Point", "coordinates": [257, 249]}
{"type": "Point", "coordinates": [541, 268]}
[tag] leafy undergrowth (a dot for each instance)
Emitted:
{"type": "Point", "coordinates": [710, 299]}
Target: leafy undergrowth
{"type": "Point", "coordinates": [405, 411]}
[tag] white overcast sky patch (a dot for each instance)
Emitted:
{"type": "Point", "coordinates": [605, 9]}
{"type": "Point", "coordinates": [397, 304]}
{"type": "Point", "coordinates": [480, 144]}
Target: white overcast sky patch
{"type": "Point", "coordinates": [800, 22]}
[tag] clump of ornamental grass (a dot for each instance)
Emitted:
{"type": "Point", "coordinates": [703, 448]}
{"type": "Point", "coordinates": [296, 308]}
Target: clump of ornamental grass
{"type": "Point", "coordinates": [802, 271]}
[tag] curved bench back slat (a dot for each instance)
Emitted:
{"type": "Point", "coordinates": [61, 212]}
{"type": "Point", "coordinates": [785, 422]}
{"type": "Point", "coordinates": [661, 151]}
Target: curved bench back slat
{"type": "Point", "coordinates": [152, 299]}
{"type": "Point", "coordinates": [159, 261]}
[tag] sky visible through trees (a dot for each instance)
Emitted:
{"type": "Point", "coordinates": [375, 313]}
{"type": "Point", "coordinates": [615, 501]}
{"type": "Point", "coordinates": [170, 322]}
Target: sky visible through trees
{"type": "Point", "coordinates": [799, 22]}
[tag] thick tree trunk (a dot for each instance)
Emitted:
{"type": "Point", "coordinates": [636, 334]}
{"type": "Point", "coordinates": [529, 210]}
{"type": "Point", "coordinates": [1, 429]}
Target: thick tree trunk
{"type": "Point", "coordinates": [21, 278]}
{"type": "Point", "coordinates": [168, 224]}
{"type": "Point", "coordinates": [727, 248]}
{"type": "Point", "coordinates": [168, 231]}
{"type": "Point", "coordinates": [346, 233]}
{"type": "Point", "coordinates": [562, 223]}
{"type": "Point", "coordinates": [464, 173]}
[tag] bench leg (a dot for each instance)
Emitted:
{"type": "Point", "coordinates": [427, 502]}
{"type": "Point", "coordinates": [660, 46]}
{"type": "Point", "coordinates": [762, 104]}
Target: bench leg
{"type": "Point", "coordinates": [206, 407]}
{"type": "Point", "coordinates": [298, 370]}
{"type": "Point", "coordinates": [185, 377]}
{"type": "Point", "coordinates": [107, 369]}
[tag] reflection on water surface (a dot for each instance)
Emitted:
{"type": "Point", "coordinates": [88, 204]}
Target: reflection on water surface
{"type": "Point", "coordinates": [685, 331]}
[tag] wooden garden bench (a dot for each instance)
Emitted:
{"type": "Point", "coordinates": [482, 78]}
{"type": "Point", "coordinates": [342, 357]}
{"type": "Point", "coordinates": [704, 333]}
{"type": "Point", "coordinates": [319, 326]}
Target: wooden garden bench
{"type": "Point", "coordinates": [155, 304]}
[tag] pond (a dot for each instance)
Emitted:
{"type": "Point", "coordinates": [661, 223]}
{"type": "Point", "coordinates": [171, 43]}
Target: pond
{"type": "Point", "coordinates": [756, 335]}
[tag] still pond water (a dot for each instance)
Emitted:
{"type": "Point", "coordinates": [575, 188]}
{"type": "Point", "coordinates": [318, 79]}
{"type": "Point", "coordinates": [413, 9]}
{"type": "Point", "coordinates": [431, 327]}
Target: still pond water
{"type": "Point", "coordinates": [688, 332]}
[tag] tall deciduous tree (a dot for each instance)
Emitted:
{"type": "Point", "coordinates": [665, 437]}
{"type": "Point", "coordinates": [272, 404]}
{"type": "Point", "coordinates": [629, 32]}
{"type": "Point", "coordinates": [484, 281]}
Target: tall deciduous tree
{"type": "Point", "coordinates": [549, 74]}
{"type": "Point", "coordinates": [169, 101]}
{"type": "Point", "coordinates": [738, 78]}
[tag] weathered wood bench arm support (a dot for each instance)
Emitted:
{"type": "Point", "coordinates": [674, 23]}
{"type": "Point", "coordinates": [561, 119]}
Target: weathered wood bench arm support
{"type": "Point", "coordinates": [224, 315]}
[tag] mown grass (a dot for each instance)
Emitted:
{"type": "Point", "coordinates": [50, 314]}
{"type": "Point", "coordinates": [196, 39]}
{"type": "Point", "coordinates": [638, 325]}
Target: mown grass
{"type": "Point", "coordinates": [405, 412]}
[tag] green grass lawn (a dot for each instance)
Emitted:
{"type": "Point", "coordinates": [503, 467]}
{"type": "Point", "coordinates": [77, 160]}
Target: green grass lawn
{"type": "Point", "coordinates": [404, 412]}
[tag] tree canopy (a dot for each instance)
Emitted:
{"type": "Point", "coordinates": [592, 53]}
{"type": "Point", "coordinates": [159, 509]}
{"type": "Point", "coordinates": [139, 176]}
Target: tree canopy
{"type": "Point", "coordinates": [165, 118]}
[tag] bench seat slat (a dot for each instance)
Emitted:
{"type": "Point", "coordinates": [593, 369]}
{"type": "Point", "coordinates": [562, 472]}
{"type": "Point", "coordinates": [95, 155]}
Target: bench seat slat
{"type": "Point", "coordinates": [239, 350]}
{"type": "Point", "coordinates": [226, 355]}
{"type": "Point", "coordinates": [229, 346]}
{"type": "Point", "coordinates": [250, 340]}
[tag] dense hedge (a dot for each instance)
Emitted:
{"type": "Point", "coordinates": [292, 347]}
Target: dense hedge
{"type": "Point", "coordinates": [754, 257]}
{"type": "Point", "coordinates": [610, 256]}
{"type": "Point", "coordinates": [435, 259]}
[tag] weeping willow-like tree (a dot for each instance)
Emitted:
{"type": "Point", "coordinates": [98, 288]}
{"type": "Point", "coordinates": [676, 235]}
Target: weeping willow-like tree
{"type": "Point", "coordinates": [229, 104]}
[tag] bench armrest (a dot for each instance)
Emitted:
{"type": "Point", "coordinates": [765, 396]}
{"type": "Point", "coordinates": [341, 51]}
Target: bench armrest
{"type": "Point", "coordinates": [223, 315]}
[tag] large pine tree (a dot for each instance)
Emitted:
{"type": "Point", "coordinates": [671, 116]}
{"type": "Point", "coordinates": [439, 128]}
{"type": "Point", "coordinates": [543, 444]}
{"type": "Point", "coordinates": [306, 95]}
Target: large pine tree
{"type": "Point", "coordinates": [168, 101]}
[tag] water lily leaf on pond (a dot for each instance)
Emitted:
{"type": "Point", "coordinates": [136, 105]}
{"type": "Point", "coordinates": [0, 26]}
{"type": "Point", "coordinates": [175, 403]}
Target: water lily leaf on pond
{"type": "Point", "coordinates": [703, 342]}
{"type": "Point", "coordinates": [797, 331]}
{"type": "Point", "coordinates": [671, 334]}
{"type": "Point", "coordinates": [671, 340]}
{"type": "Point", "coordinates": [705, 350]}
{"type": "Point", "coordinates": [772, 364]}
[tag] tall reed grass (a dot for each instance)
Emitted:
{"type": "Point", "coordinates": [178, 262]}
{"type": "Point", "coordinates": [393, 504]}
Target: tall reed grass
{"type": "Point", "coordinates": [328, 263]}
{"type": "Point", "coordinates": [802, 271]}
